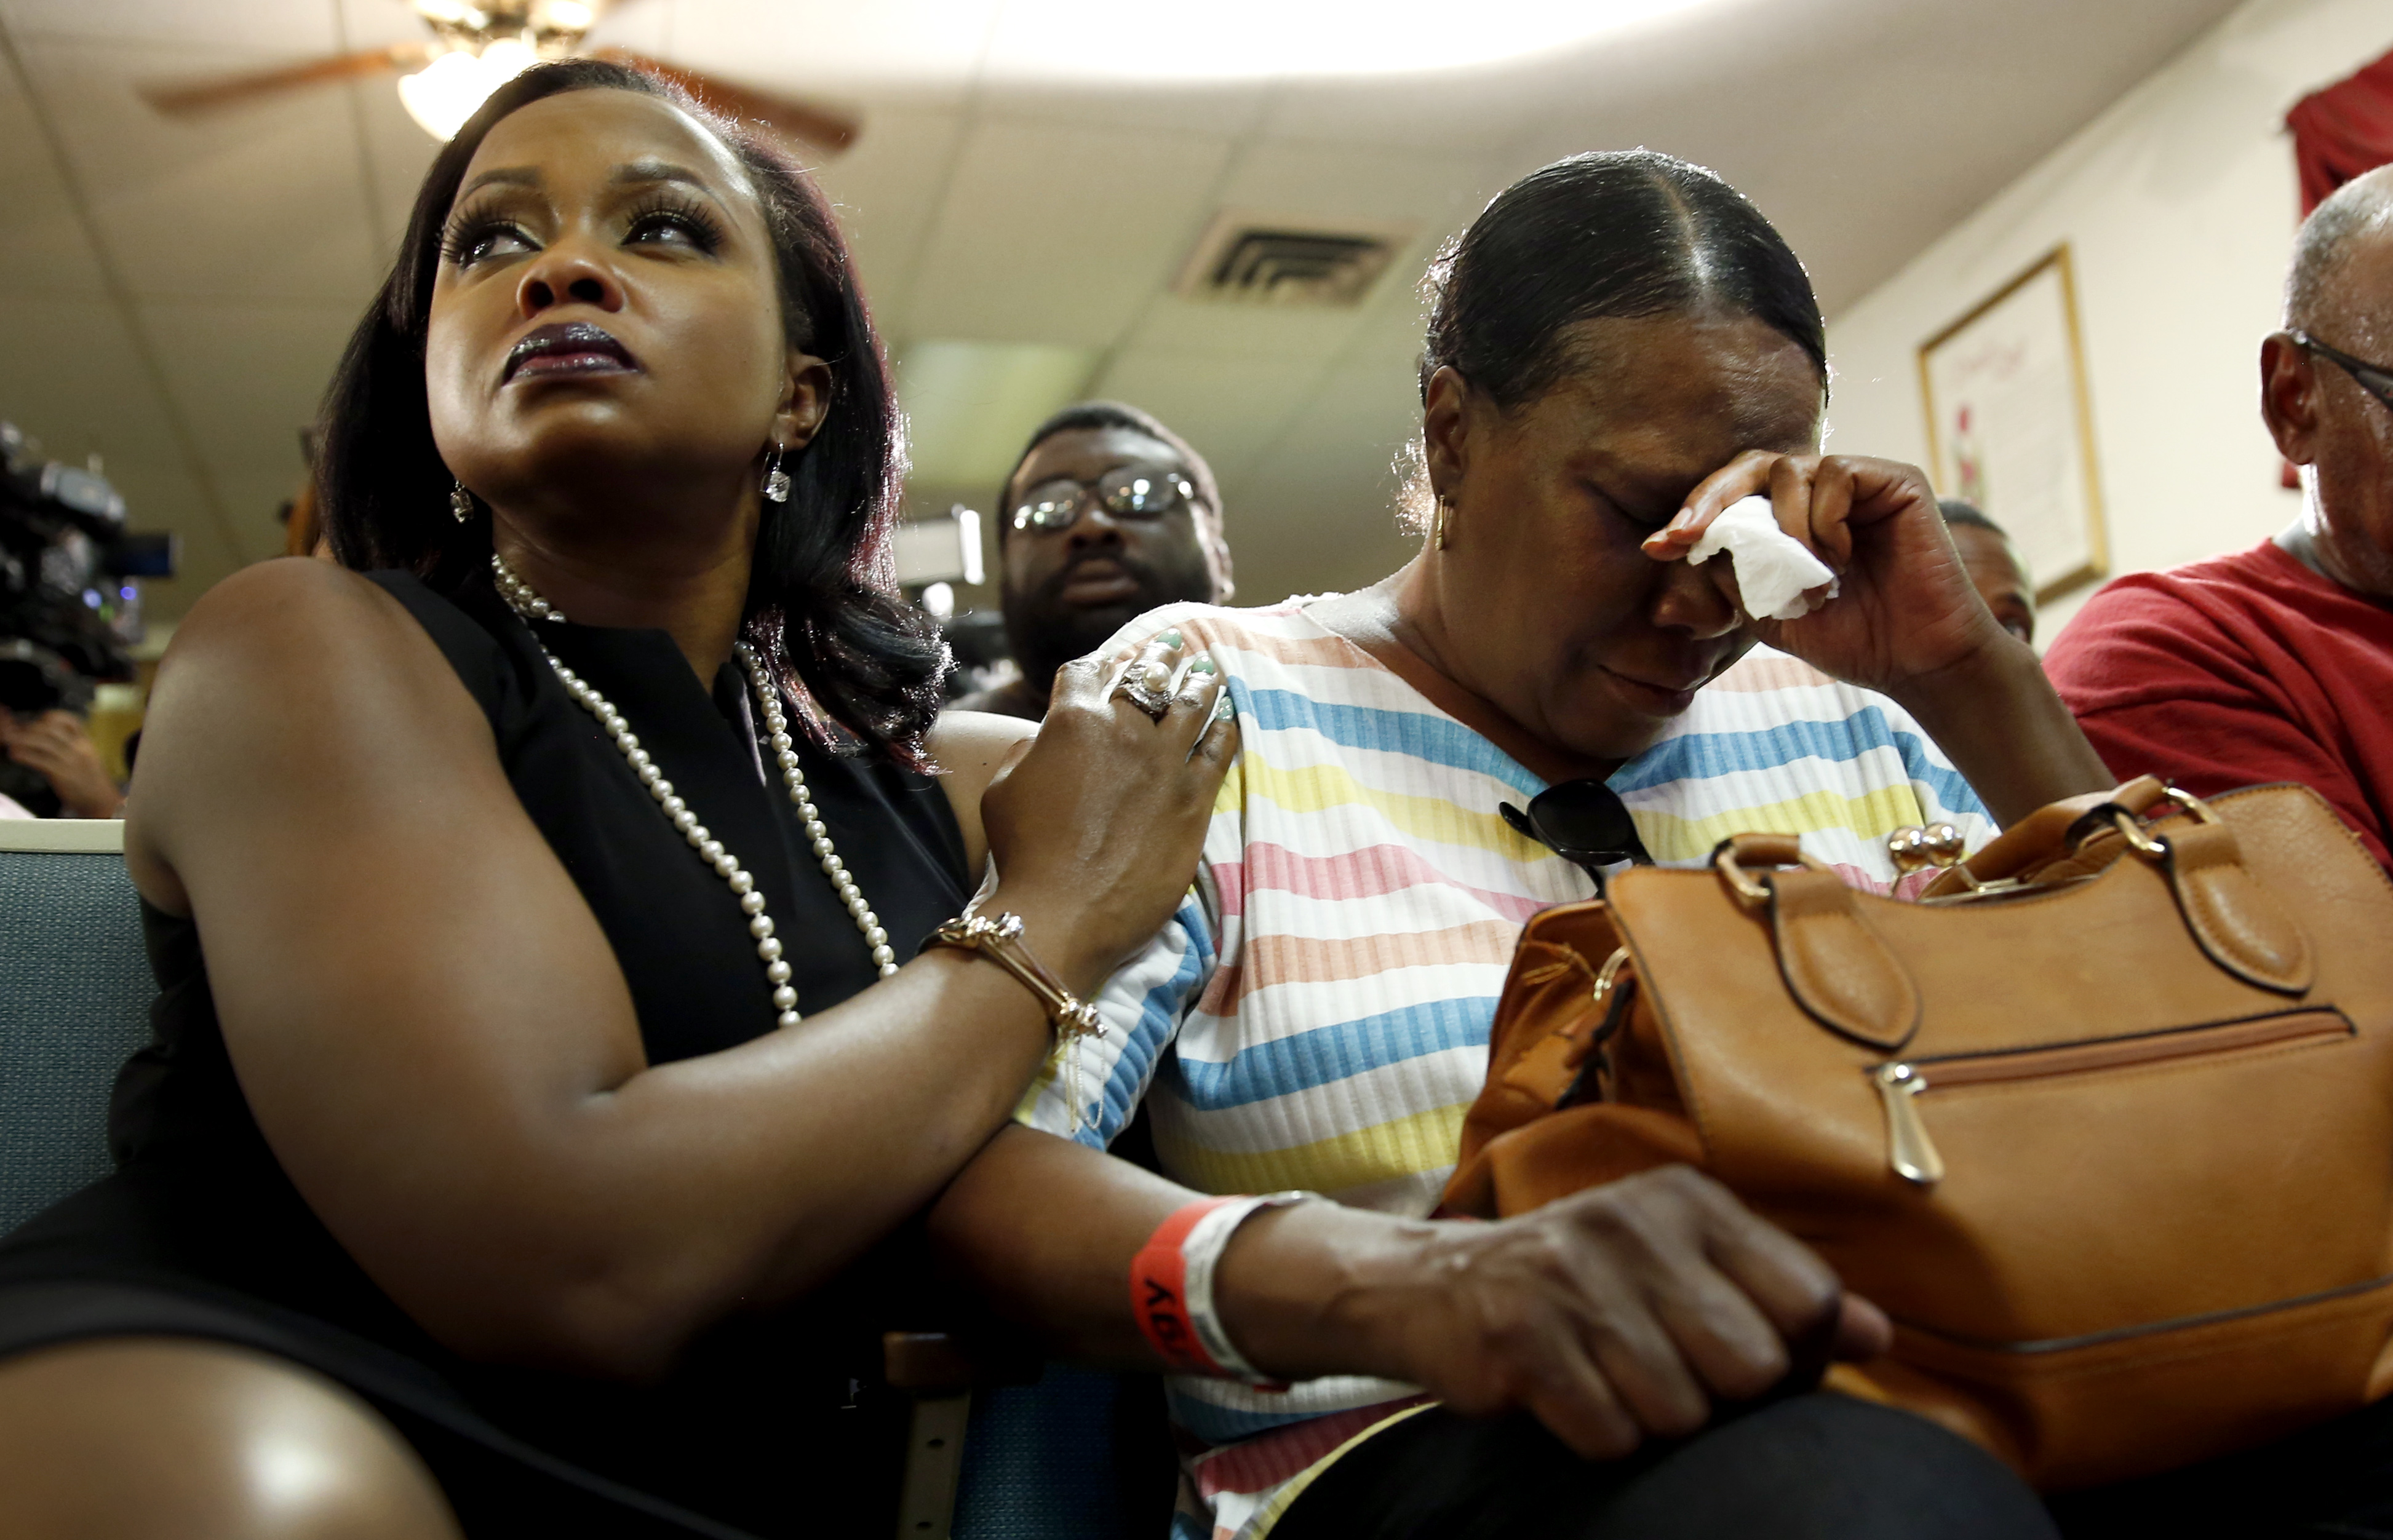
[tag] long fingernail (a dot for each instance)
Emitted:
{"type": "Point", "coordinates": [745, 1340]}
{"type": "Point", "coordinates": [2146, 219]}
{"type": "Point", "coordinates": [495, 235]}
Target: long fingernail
{"type": "Point", "coordinates": [1203, 665]}
{"type": "Point", "coordinates": [1168, 639]}
{"type": "Point", "coordinates": [1686, 520]}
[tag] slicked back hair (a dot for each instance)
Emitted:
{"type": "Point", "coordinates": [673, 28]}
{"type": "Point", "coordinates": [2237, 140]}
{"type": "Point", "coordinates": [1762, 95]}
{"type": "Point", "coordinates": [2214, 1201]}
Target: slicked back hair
{"type": "Point", "coordinates": [1609, 234]}
{"type": "Point", "coordinates": [823, 593]}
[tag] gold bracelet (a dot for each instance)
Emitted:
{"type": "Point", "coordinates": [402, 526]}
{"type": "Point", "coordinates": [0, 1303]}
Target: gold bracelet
{"type": "Point", "coordinates": [1000, 940]}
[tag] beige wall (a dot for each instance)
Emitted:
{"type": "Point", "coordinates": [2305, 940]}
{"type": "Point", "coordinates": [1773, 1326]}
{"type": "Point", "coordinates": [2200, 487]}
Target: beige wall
{"type": "Point", "coordinates": [2179, 204]}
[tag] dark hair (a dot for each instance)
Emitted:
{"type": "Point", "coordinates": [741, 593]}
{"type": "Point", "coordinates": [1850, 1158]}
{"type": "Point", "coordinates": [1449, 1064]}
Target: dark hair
{"type": "Point", "coordinates": [1100, 415]}
{"type": "Point", "coordinates": [1957, 512]}
{"type": "Point", "coordinates": [1618, 233]}
{"type": "Point", "coordinates": [822, 588]}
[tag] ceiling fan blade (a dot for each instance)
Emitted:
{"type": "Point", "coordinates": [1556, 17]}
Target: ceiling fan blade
{"type": "Point", "coordinates": [827, 128]}
{"type": "Point", "coordinates": [185, 98]}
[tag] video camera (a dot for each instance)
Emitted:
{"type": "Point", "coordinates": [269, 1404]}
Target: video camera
{"type": "Point", "coordinates": [67, 613]}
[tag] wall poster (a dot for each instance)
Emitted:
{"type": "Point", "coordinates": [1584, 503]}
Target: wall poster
{"type": "Point", "coordinates": [2011, 429]}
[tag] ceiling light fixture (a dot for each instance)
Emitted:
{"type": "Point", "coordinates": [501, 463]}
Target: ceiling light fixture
{"type": "Point", "coordinates": [483, 45]}
{"type": "Point", "coordinates": [446, 92]}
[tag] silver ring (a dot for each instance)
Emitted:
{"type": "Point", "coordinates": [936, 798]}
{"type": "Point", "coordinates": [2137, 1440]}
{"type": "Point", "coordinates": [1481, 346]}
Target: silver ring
{"type": "Point", "coordinates": [1146, 683]}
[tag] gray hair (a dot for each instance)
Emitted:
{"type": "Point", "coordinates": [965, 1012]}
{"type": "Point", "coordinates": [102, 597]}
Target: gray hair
{"type": "Point", "coordinates": [2360, 207]}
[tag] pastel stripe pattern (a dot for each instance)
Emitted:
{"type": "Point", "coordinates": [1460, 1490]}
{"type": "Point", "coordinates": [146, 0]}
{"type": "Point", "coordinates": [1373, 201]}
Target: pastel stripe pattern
{"type": "Point", "coordinates": [1315, 1015]}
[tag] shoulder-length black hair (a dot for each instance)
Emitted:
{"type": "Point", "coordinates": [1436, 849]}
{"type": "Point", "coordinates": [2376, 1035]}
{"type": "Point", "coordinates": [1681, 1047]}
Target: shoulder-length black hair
{"type": "Point", "coordinates": [822, 594]}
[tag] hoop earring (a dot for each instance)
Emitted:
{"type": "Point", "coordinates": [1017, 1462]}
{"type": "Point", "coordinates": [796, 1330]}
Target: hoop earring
{"type": "Point", "coordinates": [1437, 524]}
{"type": "Point", "coordinates": [776, 481]}
{"type": "Point", "coordinates": [461, 502]}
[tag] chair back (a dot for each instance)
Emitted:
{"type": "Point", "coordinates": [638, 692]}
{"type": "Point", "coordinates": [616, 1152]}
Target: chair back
{"type": "Point", "coordinates": [74, 1001]}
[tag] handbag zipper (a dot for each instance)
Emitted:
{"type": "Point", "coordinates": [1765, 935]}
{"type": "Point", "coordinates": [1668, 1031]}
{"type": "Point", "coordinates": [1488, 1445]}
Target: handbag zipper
{"type": "Point", "coordinates": [1913, 1154]}
{"type": "Point", "coordinates": [1908, 1146]}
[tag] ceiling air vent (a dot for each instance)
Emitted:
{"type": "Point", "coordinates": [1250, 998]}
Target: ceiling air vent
{"type": "Point", "coordinates": [1255, 259]}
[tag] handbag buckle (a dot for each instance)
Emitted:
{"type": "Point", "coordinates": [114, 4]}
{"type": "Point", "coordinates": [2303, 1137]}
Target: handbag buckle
{"type": "Point", "coordinates": [1774, 850]}
{"type": "Point", "coordinates": [2155, 846]}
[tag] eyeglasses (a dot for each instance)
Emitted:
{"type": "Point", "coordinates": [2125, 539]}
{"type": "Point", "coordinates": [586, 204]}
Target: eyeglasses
{"type": "Point", "coordinates": [1126, 491]}
{"type": "Point", "coordinates": [1584, 822]}
{"type": "Point", "coordinates": [2375, 379]}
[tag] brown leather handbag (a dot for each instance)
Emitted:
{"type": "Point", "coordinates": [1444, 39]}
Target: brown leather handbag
{"type": "Point", "coordinates": [2105, 1123]}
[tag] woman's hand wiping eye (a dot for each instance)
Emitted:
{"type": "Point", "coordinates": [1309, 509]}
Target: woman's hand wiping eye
{"type": "Point", "coordinates": [1906, 608]}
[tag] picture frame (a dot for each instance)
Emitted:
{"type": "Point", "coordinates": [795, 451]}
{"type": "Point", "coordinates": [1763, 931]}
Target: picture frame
{"type": "Point", "coordinates": [2010, 424]}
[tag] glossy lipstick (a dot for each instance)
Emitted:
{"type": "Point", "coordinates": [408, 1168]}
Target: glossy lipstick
{"type": "Point", "coordinates": [567, 347]}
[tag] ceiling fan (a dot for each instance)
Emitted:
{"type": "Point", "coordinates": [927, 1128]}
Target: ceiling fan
{"type": "Point", "coordinates": [476, 47]}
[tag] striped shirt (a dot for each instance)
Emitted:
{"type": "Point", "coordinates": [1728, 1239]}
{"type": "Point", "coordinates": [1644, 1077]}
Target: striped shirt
{"type": "Point", "coordinates": [1317, 1015]}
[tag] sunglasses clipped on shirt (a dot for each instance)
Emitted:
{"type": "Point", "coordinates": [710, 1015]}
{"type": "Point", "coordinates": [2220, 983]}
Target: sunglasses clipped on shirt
{"type": "Point", "coordinates": [1126, 491]}
{"type": "Point", "coordinates": [2375, 379]}
{"type": "Point", "coordinates": [1585, 823]}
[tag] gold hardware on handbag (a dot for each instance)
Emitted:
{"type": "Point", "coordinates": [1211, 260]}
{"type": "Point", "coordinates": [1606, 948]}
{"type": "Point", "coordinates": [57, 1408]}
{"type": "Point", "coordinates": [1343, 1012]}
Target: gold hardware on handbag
{"type": "Point", "coordinates": [2105, 1123]}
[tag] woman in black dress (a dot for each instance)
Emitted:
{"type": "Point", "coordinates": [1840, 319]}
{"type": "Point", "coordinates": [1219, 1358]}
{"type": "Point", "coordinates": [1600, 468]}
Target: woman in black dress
{"type": "Point", "coordinates": [490, 1132]}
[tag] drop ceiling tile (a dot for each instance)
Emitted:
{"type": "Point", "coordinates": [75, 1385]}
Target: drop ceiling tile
{"type": "Point", "coordinates": [831, 45]}
{"type": "Point", "coordinates": [1014, 89]}
{"type": "Point", "coordinates": [885, 193]}
{"type": "Point", "coordinates": [1341, 181]}
{"type": "Point", "coordinates": [1465, 111]}
{"type": "Point", "coordinates": [1173, 324]}
{"type": "Point", "coordinates": [42, 248]}
{"type": "Point", "coordinates": [1061, 234]}
{"type": "Point", "coordinates": [253, 499]}
{"type": "Point", "coordinates": [71, 376]}
{"type": "Point", "coordinates": [1356, 417]}
{"type": "Point", "coordinates": [1389, 341]}
{"type": "Point", "coordinates": [1231, 409]}
{"type": "Point", "coordinates": [377, 23]}
{"type": "Point", "coordinates": [259, 201]}
{"type": "Point", "coordinates": [970, 406]}
{"type": "Point", "coordinates": [246, 377]}
{"type": "Point", "coordinates": [287, 30]}
{"type": "Point", "coordinates": [1317, 513]}
{"type": "Point", "coordinates": [394, 153]}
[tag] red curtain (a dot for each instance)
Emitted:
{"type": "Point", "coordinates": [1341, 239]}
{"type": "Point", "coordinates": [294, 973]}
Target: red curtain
{"type": "Point", "coordinates": [2343, 130]}
{"type": "Point", "coordinates": [2338, 133]}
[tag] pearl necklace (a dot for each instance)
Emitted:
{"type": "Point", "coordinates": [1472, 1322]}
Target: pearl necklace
{"type": "Point", "coordinates": [532, 607]}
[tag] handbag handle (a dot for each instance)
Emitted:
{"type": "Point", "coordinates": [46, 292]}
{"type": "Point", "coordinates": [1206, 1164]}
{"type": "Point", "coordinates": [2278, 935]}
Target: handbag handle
{"type": "Point", "coordinates": [1833, 964]}
{"type": "Point", "coordinates": [2233, 916]}
{"type": "Point", "coordinates": [1845, 977]}
{"type": "Point", "coordinates": [2235, 920]}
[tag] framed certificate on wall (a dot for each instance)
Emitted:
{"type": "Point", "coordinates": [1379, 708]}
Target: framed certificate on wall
{"type": "Point", "coordinates": [2011, 427]}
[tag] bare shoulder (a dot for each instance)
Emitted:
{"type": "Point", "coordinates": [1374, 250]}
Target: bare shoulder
{"type": "Point", "coordinates": [291, 685]}
{"type": "Point", "coordinates": [971, 746]}
{"type": "Point", "coordinates": [260, 610]}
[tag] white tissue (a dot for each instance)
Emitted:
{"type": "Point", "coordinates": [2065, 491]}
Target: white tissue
{"type": "Point", "coordinates": [1773, 571]}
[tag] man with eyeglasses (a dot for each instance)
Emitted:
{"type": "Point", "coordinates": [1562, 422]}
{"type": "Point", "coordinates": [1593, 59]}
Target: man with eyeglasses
{"type": "Point", "coordinates": [1107, 514]}
{"type": "Point", "coordinates": [2276, 664]}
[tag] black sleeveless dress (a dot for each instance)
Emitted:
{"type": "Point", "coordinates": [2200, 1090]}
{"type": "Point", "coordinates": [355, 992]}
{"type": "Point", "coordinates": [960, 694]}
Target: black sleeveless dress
{"type": "Point", "coordinates": [773, 1425]}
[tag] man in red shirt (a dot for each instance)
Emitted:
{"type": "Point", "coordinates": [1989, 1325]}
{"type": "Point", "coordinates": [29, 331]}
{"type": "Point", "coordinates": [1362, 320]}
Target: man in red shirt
{"type": "Point", "coordinates": [2277, 664]}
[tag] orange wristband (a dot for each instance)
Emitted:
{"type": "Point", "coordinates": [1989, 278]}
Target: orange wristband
{"type": "Point", "coordinates": [1158, 1290]}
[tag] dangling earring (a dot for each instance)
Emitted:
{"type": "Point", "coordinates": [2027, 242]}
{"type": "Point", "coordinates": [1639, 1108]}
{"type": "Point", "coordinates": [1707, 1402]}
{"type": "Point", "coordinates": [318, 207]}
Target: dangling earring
{"type": "Point", "coordinates": [1438, 525]}
{"type": "Point", "coordinates": [461, 502]}
{"type": "Point", "coordinates": [776, 481]}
